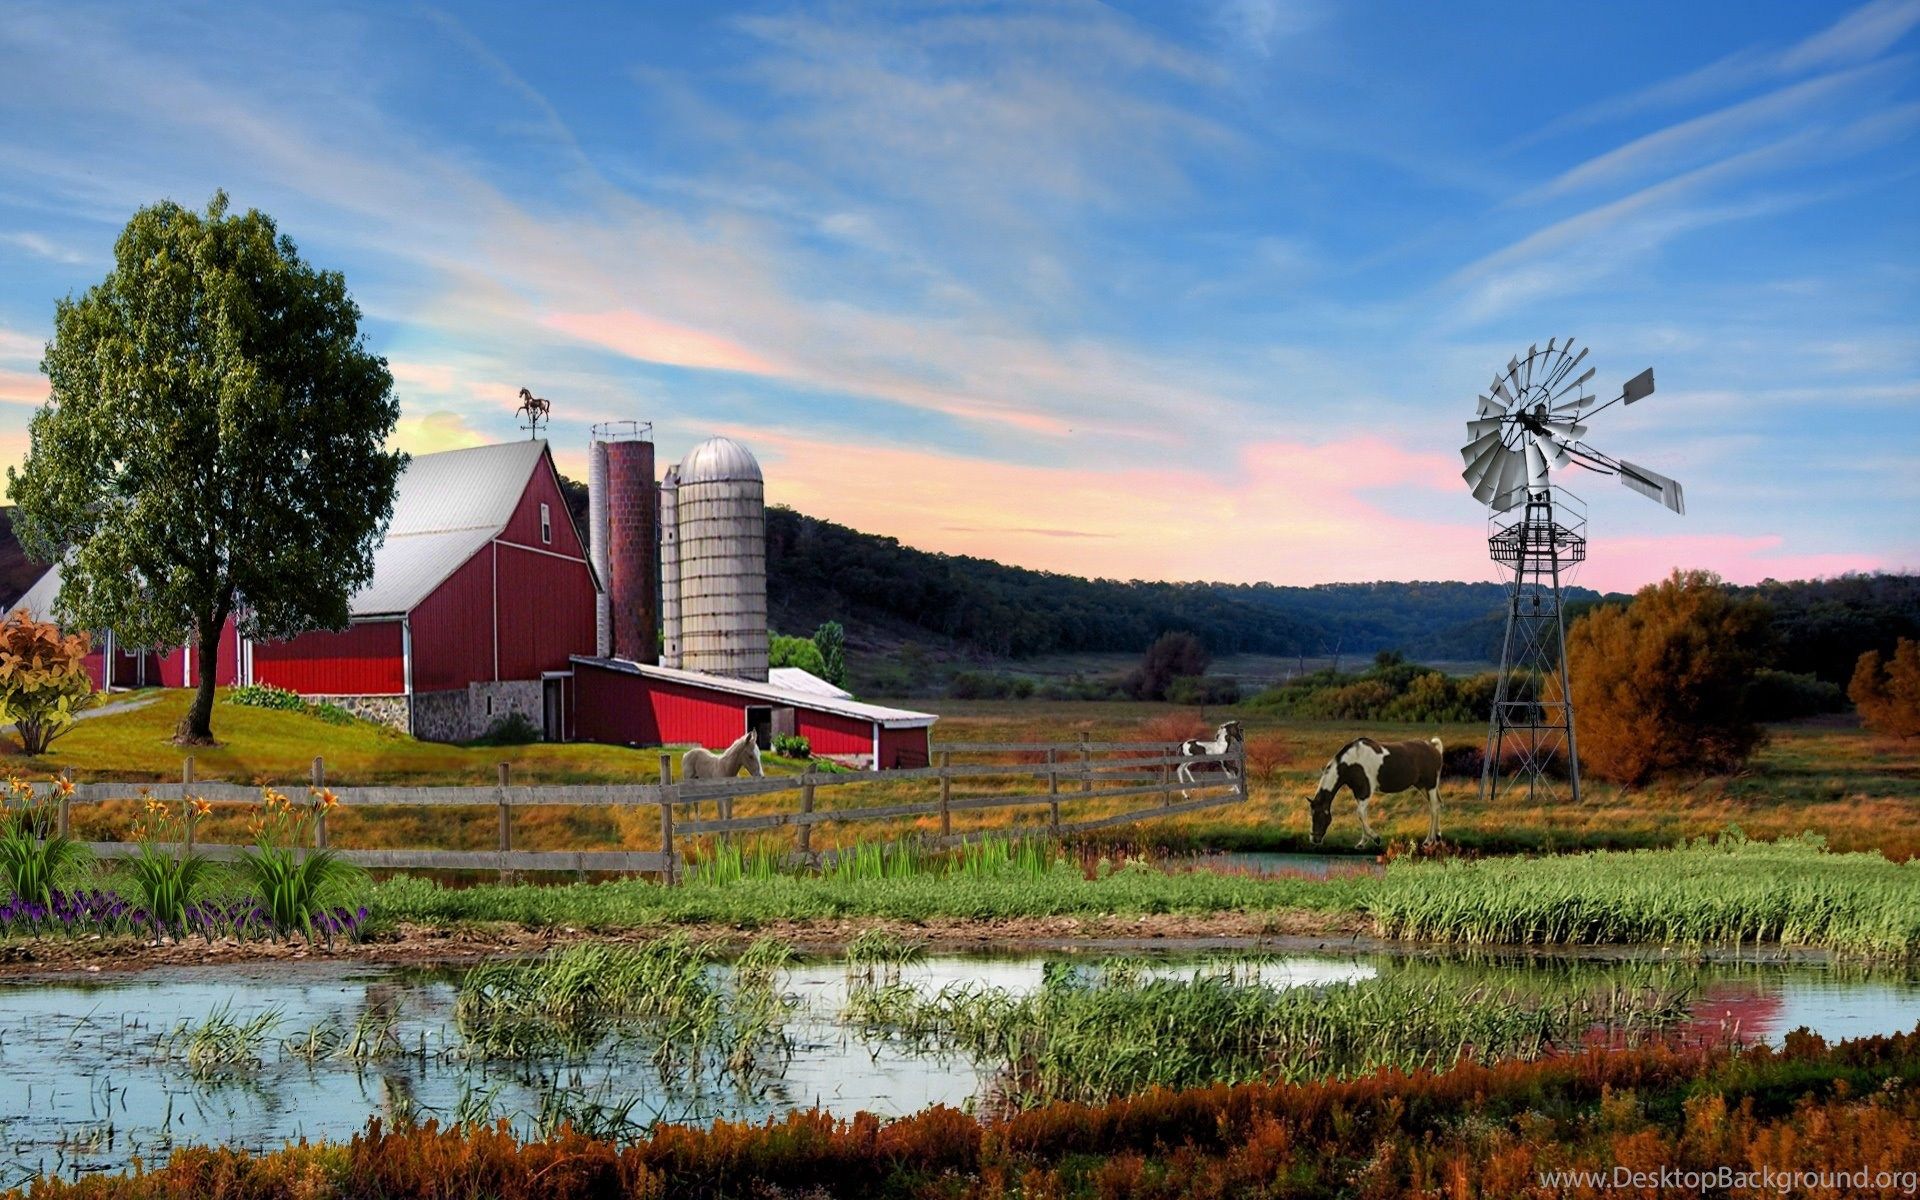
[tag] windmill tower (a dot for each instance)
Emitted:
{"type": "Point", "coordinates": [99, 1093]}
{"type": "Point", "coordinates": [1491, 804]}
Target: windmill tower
{"type": "Point", "coordinates": [1532, 423]}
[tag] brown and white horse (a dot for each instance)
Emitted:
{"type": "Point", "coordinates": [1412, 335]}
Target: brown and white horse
{"type": "Point", "coordinates": [1368, 768]}
{"type": "Point", "coordinates": [1224, 739]}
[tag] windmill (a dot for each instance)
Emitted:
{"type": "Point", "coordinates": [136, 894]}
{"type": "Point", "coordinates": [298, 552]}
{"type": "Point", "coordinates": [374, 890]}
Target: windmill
{"type": "Point", "coordinates": [1534, 421]}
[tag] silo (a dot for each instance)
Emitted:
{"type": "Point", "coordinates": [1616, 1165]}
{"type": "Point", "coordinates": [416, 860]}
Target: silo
{"type": "Point", "coordinates": [599, 531]}
{"type": "Point", "coordinates": [670, 568]}
{"type": "Point", "coordinates": [631, 526]}
{"type": "Point", "coordinates": [721, 514]}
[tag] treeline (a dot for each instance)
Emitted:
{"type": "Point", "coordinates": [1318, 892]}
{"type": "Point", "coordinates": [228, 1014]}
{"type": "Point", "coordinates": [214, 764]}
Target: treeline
{"type": "Point", "coordinates": [817, 570]}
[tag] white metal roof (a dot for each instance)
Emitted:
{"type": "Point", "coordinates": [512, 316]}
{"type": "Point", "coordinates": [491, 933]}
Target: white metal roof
{"type": "Point", "coordinates": [889, 718]}
{"type": "Point", "coordinates": [799, 679]}
{"type": "Point", "coordinates": [447, 506]}
{"type": "Point", "coordinates": [718, 459]}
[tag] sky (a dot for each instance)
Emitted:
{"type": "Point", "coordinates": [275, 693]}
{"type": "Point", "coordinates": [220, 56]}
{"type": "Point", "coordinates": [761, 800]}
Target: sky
{"type": "Point", "coordinates": [1155, 291]}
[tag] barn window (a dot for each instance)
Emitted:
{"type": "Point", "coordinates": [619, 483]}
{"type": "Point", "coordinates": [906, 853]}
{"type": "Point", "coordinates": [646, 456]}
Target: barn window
{"type": "Point", "coordinates": [546, 525]}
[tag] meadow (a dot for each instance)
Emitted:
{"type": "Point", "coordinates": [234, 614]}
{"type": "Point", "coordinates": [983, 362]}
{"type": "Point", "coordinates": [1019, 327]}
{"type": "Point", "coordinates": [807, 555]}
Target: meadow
{"type": "Point", "coordinates": [1827, 777]}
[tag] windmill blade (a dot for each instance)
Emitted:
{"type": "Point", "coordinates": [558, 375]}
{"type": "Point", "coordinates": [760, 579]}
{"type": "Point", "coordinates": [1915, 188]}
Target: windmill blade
{"type": "Point", "coordinates": [1500, 389]}
{"type": "Point", "coordinates": [1513, 471]}
{"type": "Point", "coordinates": [1574, 405]}
{"type": "Point", "coordinates": [1487, 488]}
{"type": "Point", "coordinates": [1554, 449]}
{"type": "Point", "coordinates": [1492, 408]}
{"type": "Point", "coordinates": [1484, 426]}
{"type": "Point", "coordinates": [1536, 464]}
{"type": "Point", "coordinates": [1531, 352]}
{"type": "Point", "coordinates": [1566, 364]}
{"type": "Point", "coordinates": [1654, 486]}
{"type": "Point", "coordinates": [1578, 383]}
{"type": "Point", "coordinates": [1483, 464]}
{"type": "Point", "coordinates": [1478, 446]}
{"type": "Point", "coordinates": [1566, 429]}
{"type": "Point", "coordinates": [1639, 387]}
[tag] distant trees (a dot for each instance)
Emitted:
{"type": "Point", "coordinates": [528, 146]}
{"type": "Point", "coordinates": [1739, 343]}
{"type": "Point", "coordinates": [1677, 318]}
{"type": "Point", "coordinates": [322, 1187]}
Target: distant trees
{"type": "Point", "coordinates": [1175, 655]}
{"type": "Point", "coordinates": [783, 651]}
{"type": "Point", "coordinates": [1660, 684]}
{"type": "Point", "coordinates": [831, 641]}
{"type": "Point", "coordinates": [1889, 698]}
{"type": "Point", "coordinates": [214, 446]}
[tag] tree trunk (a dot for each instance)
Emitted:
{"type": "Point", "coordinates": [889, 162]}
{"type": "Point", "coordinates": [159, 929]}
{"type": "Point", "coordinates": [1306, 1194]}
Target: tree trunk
{"type": "Point", "coordinates": [196, 728]}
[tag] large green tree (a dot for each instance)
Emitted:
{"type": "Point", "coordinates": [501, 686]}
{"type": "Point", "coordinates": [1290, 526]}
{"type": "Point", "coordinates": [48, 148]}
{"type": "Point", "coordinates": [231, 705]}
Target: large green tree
{"type": "Point", "coordinates": [214, 444]}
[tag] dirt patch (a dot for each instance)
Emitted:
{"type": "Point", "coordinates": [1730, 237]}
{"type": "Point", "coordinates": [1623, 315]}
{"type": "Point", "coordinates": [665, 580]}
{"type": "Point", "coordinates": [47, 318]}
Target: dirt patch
{"type": "Point", "coordinates": [422, 945]}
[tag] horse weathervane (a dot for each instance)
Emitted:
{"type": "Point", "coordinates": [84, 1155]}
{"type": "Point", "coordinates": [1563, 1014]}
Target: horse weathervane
{"type": "Point", "coordinates": [533, 412]}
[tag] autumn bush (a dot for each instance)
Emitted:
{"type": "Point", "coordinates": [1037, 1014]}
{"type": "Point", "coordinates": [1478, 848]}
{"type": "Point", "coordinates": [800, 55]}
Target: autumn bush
{"type": "Point", "coordinates": [1889, 698]}
{"type": "Point", "coordinates": [1660, 684]}
{"type": "Point", "coordinates": [43, 679]}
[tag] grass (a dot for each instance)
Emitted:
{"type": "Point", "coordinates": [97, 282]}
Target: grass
{"type": "Point", "coordinates": [1732, 891]}
{"type": "Point", "coordinates": [1095, 1036]}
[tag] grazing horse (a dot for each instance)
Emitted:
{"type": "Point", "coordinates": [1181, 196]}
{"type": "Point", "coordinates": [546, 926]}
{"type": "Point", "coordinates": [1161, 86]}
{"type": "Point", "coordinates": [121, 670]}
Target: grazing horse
{"type": "Point", "coordinates": [1368, 768]}
{"type": "Point", "coordinates": [701, 763]}
{"type": "Point", "coordinates": [1224, 738]}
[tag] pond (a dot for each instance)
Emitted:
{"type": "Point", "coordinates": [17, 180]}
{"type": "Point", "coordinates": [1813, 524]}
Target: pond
{"type": "Point", "coordinates": [101, 1072]}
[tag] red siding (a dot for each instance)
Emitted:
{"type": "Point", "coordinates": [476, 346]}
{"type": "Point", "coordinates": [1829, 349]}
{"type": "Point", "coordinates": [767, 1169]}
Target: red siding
{"type": "Point", "coordinates": [453, 629]}
{"type": "Point", "coordinates": [904, 749]}
{"type": "Point", "coordinates": [524, 525]}
{"type": "Point", "coordinates": [169, 667]}
{"type": "Point", "coordinates": [546, 611]}
{"type": "Point", "coordinates": [830, 733]}
{"type": "Point", "coordinates": [366, 660]}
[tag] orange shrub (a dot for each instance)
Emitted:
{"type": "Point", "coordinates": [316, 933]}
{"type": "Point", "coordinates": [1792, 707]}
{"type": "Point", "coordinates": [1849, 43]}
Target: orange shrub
{"type": "Point", "coordinates": [1659, 686]}
{"type": "Point", "coordinates": [1889, 700]}
{"type": "Point", "coordinates": [43, 679]}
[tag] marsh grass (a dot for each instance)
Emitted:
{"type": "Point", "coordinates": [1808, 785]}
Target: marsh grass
{"type": "Point", "coordinates": [220, 1045]}
{"type": "Point", "coordinates": [1092, 1036]}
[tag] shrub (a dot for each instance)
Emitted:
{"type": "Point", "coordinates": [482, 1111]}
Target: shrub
{"type": "Point", "coordinates": [792, 745]}
{"type": "Point", "coordinates": [1204, 689]}
{"type": "Point", "coordinates": [1889, 701]}
{"type": "Point", "coordinates": [1783, 695]}
{"type": "Point", "coordinates": [266, 695]}
{"type": "Point", "coordinates": [1171, 656]}
{"type": "Point", "coordinates": [1660, 685]}
{"type": "Point", "coordinates": [43, 680]}
{"type": "Point", "coordinates": [513, 729]}
{"type": "Point", "coordinates": [783, 651]}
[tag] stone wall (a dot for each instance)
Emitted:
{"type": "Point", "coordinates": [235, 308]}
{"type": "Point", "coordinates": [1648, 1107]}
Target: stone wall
{"type": "Point", "coordinates": [391, 711]}
{"type": "Point", "coordinates": [493, 701]}
{"type": "Point", "coordinates": [441, 716]}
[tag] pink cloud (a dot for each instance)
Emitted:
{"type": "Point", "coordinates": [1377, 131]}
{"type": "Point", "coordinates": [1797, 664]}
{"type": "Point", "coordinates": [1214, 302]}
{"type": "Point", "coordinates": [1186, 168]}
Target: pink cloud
{"type": "Point", "coordinates": [21, 387]}
{"type": "Point", "coordinates": [650, 339]}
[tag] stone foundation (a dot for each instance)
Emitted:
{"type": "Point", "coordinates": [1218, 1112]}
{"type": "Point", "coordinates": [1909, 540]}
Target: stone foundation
{"type": "Point", "coordinates": [490, 702]}
{"type": "Point", "coordinates": [391, 711]}
{"type": "Point", "coordinates": [441, 716]}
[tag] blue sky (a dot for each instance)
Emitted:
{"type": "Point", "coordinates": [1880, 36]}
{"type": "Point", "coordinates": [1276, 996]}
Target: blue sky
{"type": "Point", "coordinates": [1154, 291]}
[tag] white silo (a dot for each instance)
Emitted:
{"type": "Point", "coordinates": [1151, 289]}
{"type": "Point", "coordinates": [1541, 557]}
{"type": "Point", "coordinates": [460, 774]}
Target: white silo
{"type": "Point", "coordinates": [720, 516]}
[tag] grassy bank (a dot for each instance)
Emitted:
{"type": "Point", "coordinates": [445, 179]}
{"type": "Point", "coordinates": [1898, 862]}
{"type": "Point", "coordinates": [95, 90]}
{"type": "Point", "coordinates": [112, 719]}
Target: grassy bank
{"type": "Point", "coordinates": [1729, 892]}
{"type": "Point", "coordinates": [1467, 1130]}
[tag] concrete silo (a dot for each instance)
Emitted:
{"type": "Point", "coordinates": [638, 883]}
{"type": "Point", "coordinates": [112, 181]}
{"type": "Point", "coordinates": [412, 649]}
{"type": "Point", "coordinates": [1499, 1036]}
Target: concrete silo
{"type": "Point", "coordinates": [716, 569]}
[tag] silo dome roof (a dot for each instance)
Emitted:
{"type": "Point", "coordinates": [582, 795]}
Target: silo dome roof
{"type": "Point", "coordinates": [719, 460]}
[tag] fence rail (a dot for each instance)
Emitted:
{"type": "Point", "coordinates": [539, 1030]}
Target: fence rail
{"type": "Point", "coordinates": [1070, 773]}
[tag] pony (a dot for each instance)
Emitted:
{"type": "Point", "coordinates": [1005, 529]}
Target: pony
{"type": "Point", "coordinates": [1224, 738]}
{"type": "Point", "coordinates": [1368, 768]}
{"type": "Point", "coordinates": [701, 763]}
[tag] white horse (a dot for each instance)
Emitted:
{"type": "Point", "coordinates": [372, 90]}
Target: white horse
{"type": "Point", "coordinates": [1224, 738]}
{"type": "Point", "coordinates": [702, 763]}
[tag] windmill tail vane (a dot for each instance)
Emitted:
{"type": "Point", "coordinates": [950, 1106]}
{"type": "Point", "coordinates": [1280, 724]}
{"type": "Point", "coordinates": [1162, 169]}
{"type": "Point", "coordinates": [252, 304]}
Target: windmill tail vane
{"type": "Point", "coordinates": [1532, 421]}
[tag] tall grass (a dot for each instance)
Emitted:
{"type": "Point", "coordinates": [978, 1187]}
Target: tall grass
{"type": "Point", "coordinates": [1095, 1036]}
{"type": "Point", "coordinates": [1727, 892]}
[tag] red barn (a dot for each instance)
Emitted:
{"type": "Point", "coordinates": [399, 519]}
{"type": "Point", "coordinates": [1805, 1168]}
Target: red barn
{"type": "Point", "coordinates": [481, 592]}
{"type": "Point", "coordinates": [614, 700]}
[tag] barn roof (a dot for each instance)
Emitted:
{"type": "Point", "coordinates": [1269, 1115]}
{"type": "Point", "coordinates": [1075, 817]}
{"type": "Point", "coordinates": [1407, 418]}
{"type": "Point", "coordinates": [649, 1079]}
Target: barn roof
{"type": "Point", "coordinates": [887, 718]}
{"type": "Point", "coordinates": [446, 508]}
{"type": "Point", "coordinates": [799, 679]}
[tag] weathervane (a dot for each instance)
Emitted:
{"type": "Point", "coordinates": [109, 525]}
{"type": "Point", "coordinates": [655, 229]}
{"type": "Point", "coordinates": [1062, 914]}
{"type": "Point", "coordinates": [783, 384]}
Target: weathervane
{"type": "Point", "coordinates": [533, 411]}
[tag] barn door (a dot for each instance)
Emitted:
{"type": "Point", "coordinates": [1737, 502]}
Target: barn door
{"type": "Point", "coordinates": [760, 721]}
{"type": "Point", "coordinates": [553, 710]}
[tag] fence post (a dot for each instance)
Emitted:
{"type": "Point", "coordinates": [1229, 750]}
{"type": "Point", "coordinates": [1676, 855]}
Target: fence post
{"type": "Point", "coordinates": [1053, 790]}
{"type": "Point", "coordinates": [506, 826]}
{"type": "Point", "coordinates": [946, 794]}
{"type": "Point", "coordinates": [1086, 762]}
{"type": "Point", "coordinates": [805, 836]}
{"type": "Point", "coordinates": [666, 816]}
{"type": "Point", "coordinates": [186, 805]}
{"type": "Point", "coordinates": [1240, 768]}
{"type": "Point", "coordinates": [320, 821]}
{"type": "Point", "coordinates": [1166, 785]}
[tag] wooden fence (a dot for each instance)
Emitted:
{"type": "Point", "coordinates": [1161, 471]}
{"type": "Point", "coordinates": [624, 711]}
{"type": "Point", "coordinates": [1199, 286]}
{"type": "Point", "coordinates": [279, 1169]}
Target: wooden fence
{"type": "Point", "coordinates": [1071, 774]}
